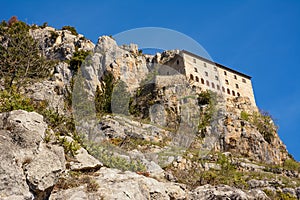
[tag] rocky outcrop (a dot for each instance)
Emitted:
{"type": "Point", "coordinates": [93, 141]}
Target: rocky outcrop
{"type": "Point", "coordinates": [225, 192]}
{"type": "Point", "coordinates": [29, 167]}
{"type": "Point", "coordinates": [60, 44]}
{"type": "Point", "coordinates": [114, 184]}
{"type": "Point", "coordinates": [244, 138]}
{"type": "Point", "coordinates": [123, 62]}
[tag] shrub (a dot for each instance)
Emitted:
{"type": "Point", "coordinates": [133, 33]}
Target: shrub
{"type": "Point", "coordinates": [265, 125]}
{"type": "Point", "coordinates": [104, 93]}
{"type": "Point", "coordinates": [71, 29]}
{"type": "Point", "coordinates": [105, 155]}
{"type": "Point", "coordinates": [77, 59]}
{"type": "Point", "coordinates": [14, 101]}
{"type": "Point", "coordinates": [20, 57]}
{"type": "Point", "coordinates": [206, 98]}
{"type": "Point", "coordinates": [244, 116]}
{"type": "Point", "coordinates": [291, 164]}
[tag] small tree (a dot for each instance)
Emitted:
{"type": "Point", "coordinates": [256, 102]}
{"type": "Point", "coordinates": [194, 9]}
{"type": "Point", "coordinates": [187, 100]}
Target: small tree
{"type": "Point", "coordinates": [20, 57]}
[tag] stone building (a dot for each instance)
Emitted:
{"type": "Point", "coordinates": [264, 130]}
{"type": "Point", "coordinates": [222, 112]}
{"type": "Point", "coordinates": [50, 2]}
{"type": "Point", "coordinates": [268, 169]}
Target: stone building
{"type": "Point", "coordinates": [205, 74]}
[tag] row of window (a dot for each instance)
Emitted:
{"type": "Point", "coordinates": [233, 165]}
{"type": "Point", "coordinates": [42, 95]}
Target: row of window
{"type": "Point", "coordinates": [216, 77]}
{"type": "Point", "coordinates": [225, 73]}
{"type": "Point", "coordinates": [215, 86]}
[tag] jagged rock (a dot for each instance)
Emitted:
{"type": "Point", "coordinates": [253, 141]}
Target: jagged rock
{"type": "Point", "coordinates": [60, 44]}
{"type": "Point", "coordinates": [12, 179]}
{"type": "Point", "coordinates": [27, 164]}
{"type": "Point", "coordinates": [26, 129]}
{"type": "Point", "coordinates": [114, 184]}
{"type": "Point", "coordinates": [258, 183]}
{"type": "Point", "coordinates": [225, 192]}
{"type": "Point", "coordinates": [84, 161]}
{"type": "Point", "coordinates": [123, 63]}
{"type": "Point", "coordinates": [43, 171]}
{"type": "Point", "coordinates": [50, 91]}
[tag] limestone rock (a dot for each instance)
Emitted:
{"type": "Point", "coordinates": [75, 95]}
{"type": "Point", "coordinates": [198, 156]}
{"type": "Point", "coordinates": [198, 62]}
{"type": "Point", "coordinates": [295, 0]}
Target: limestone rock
{"type": "Point", "coordinates": [225, 192]}
{"type": "Point", "coordinates": [43, 171]}
{"type": "Point", "coordinates": [123, 63]}
{"type": "Point", "coordinates": [114, 184]}
{"type": "Point", "coordinates": [84, 161]}
{"type": "Point", "coordinates": [27, 164]}
{"type": "Point", "coordinates": [60, 44]}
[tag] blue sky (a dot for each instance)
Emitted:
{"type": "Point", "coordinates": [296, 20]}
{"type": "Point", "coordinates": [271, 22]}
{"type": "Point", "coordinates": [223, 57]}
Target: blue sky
{"type": "Point", "coordinates": [259, 38]}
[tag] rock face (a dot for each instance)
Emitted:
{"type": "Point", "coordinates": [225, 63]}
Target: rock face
{"type": "Point", "coordinates": [60, 44]}
{"type": "Point", "coordinates": [244, 138]}
{"type": "Point", "coordinates": [161, 129]}
{"type": "Point", "coordinates": [124, 63]}
{"type": "Point", "coordinates": [29, 167]}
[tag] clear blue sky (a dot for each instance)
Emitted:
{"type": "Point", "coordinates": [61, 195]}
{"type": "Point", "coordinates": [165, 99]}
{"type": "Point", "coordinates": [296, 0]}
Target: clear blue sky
{"type": "Point", "coordinates": [259, 38]}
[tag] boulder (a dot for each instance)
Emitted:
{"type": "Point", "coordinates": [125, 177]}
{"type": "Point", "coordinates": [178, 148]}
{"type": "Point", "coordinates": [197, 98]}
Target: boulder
{"type": "Point", "coordinates": [29, 167]}
{"type": "Point", "coordinates": [84, 161]}
{"type": "Point", "coordinates": [115, 184]}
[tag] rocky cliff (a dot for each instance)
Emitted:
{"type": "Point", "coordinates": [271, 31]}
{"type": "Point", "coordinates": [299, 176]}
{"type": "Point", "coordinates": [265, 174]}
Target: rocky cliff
{"type": "Point", "coordinates": [133, 131]}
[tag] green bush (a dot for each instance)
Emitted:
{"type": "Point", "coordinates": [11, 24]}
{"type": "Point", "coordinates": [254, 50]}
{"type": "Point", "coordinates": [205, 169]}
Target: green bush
{"type": "Point", "coordinates": [244, 116]}
{"type": "Point", "coordinates": [264, 123]}
{"type": "Point", "coordinates": [104, 93]}
{"type": "Point", "coordinates": [291, 164]}
{"type": "Point", "coordinates": [77, 59]}
{"type": "Point", "coordinates": [71, 29]}
{"type": "Point", "coordinates": [206, 98]}
{"type": "Point", "coordinates": [14, 101]}
{"type": "Point", "coordinates": [21, 59]}
{"type": "Point", "coordinates": [105, 155]}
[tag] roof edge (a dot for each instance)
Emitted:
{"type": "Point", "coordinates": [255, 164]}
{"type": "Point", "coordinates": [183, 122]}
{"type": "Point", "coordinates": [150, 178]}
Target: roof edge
{"type": "Point", "coordinates": [217, 64]}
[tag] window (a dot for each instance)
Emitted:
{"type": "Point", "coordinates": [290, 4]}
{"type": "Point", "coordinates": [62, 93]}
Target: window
{"type": "Point", "coordinates": [207, 83]}
{"type": "Point", "coordinates": [225, 73]}
{"type": "Point", "coordinates": [218, 87]}
{"type": "Point", "coordinates": [234, 76]}
{"type": "Point", "coordinates": [197, 79]}
{"type": "Point", "coordinates": [177, 62]}
{"type": "Point", "coordinates": [228, 91]}
{"type": "Point", "coordinates": [217, 78]}
{"type": "Point", "coordinates": [191, 77]}
{"type": "Point", "coordinates": [204, 64]}
{"type": "Point", "coordinates": [237, 86]}
{"type": "Point", "coordinates": [206, 73]}
{"type": "Point", "coordinates": [202, 80]}
{"type": "Point", "coordinates": [227, 82]}
{"type": "Point", "coordinates": [238, 94]}
{"type": "Point", "coordinates": [194, 60]}
{"type": "Point", "coordinates": [195, 69]}
{"type": "Point", "coordinates": [223, 89]}
{"type": "Point", "coordinates": [233, 93]}
{"type": "Point", "coordinates": [244, 80]}
{"type": "Point", "coordinates": [212, 85]}
{"type": "Point", "coordinates": [215, 68]}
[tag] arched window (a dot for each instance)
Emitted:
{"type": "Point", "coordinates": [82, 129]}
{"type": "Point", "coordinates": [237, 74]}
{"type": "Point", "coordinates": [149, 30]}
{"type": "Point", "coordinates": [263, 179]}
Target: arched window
{"type": "Point", "coordinates": [228, 91]}
{"type": "Point", "coordinates": [233, 93]}
{"type": "Point", "coordinates": [218, 87]}
{"type": "Point", "coordinates": [191, 77]}
{"type": "Point", "coordinates": [238, 94]}
{"type": "Point", "coordinates": [177, 62]}
{"type": "Point", "coordinates": [207, 83]}
{"type": "Point", "coordinates": [197, 79]}
{"type": "Point", "coordinates": [212, 85]}
{"type": "Point", "coordinates": [202, 80]}
{"type": "Point", "coordinates": [223, 89]}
